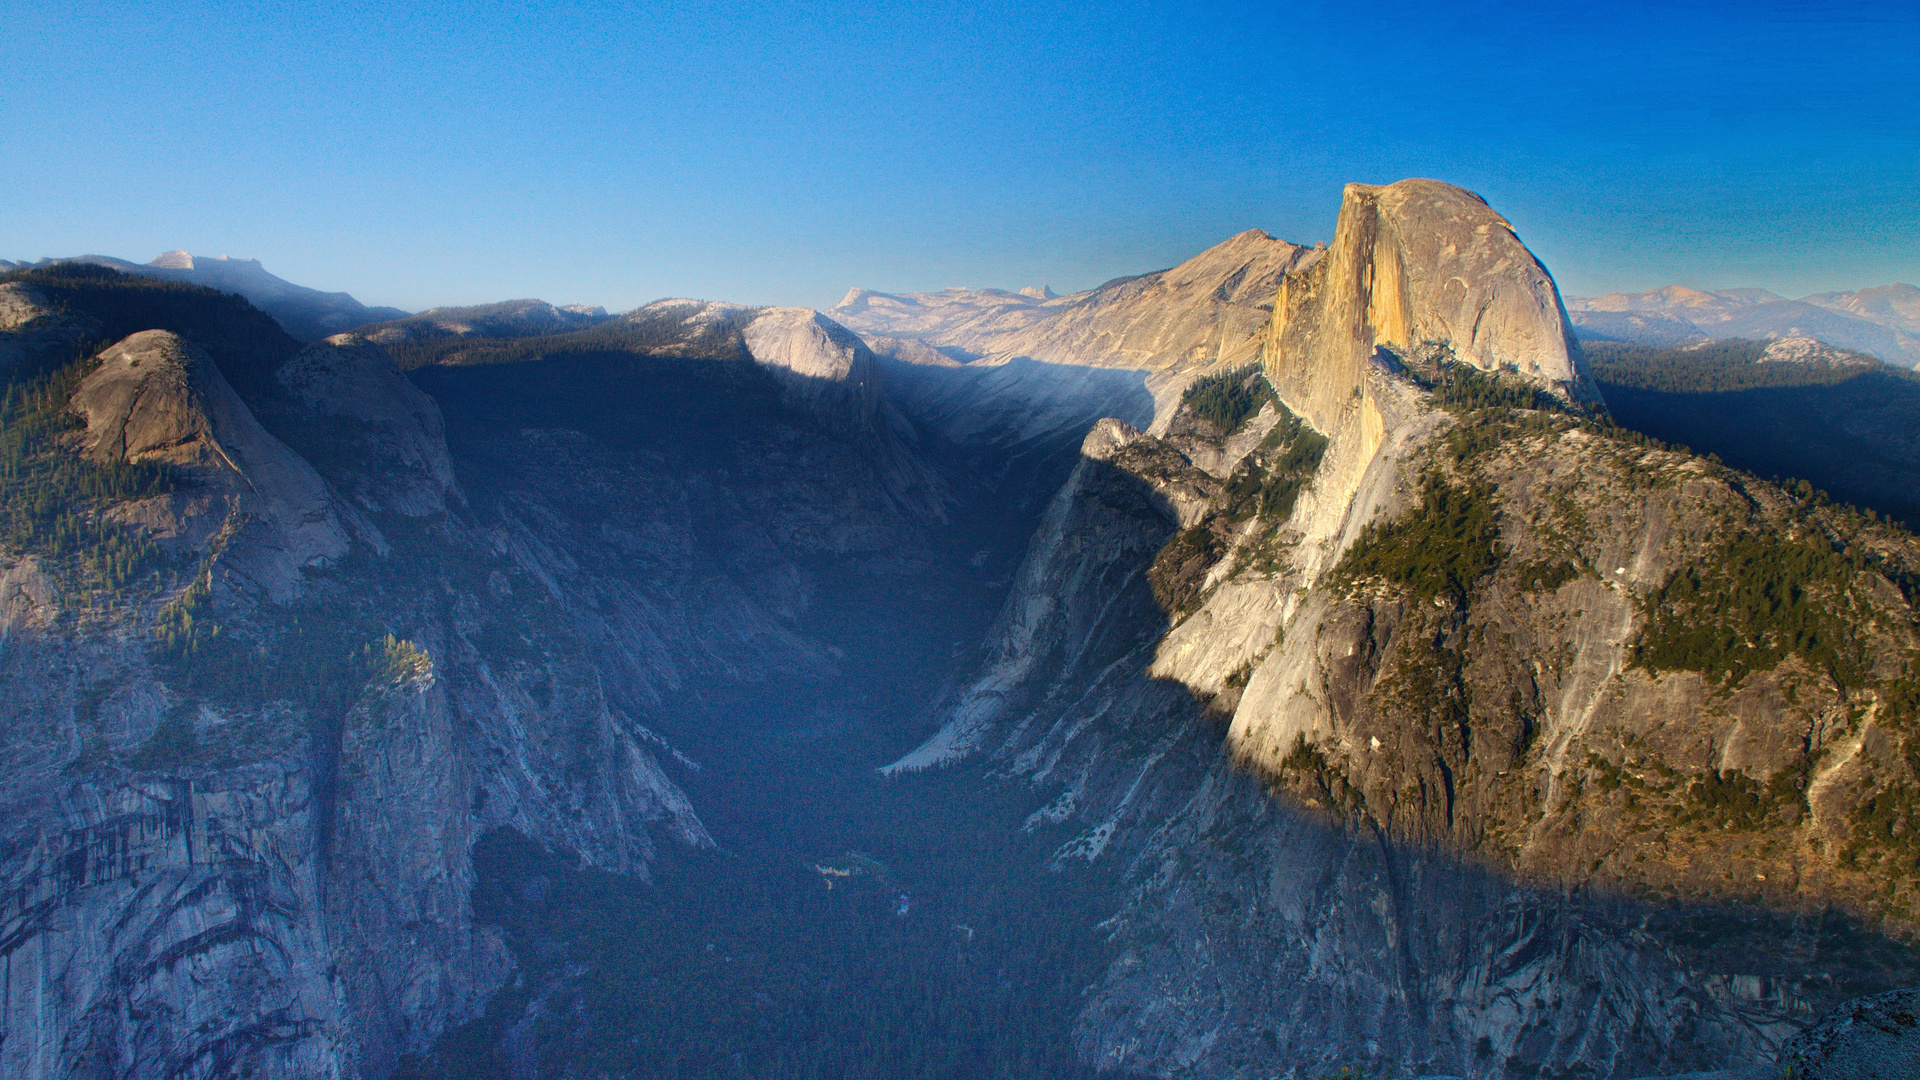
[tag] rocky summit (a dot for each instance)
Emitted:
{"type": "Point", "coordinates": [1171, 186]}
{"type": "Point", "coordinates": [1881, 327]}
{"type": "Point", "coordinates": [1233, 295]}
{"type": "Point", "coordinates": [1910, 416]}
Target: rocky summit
{"type": "Point", "coordinates": [1281, 665]}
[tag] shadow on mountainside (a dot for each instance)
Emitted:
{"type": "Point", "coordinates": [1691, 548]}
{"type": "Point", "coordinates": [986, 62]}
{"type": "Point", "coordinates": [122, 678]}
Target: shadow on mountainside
{"type": "Point", "coordinates": [1278, 937]}
{"type": "Point", "coordinates": [965, 957]}
{"type": "Point", "coordinates": [660, 545]}
{"type": "Point", "coordinates": [1857, 439]}
{"type": "Point", "coordinates": [1100, 888]}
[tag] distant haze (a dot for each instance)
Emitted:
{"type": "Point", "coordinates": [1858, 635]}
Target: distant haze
{"type": "Point", "coordinates": [426, 155]}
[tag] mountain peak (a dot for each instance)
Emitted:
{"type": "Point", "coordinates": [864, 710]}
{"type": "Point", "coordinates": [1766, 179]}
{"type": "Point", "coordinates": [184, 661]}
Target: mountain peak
{"type": "Point", "coordinates": [1415, 262]}
{"type": "Point", "coordinates": [1185, 316]}
{"type": "Point", "coordinates": [177, 259]}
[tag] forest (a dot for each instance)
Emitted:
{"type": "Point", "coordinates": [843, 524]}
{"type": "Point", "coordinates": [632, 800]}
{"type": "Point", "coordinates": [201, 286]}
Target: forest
{"type": "Point", "coordinates": [1846, 430]}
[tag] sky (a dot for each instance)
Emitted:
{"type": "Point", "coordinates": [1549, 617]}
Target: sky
{"type": "Point", "coordinates": [432, 154]}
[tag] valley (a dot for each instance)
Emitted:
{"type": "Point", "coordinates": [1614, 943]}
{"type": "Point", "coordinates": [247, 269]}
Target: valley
{"type": "Point", "coordinates": [1288, 662]}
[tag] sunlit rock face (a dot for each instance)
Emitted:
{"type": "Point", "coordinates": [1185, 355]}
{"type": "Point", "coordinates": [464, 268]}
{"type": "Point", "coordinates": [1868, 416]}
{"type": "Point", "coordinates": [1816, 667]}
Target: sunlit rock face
{"type": "Point", "coordinates": [1195, 313]}
{"type": "Point", "coordinates": [156, 398]}
{"type": "Point", "coordinates": [1412, 263]}
{"type": "Point", "coordinates": [1408, 847]}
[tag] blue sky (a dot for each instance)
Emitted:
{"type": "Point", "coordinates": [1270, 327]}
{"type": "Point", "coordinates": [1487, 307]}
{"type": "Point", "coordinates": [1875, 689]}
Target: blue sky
{"type": "Point", "coordinates": [422, 154]}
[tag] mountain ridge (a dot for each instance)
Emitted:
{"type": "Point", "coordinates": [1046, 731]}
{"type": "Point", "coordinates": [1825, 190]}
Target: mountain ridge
{"type": "Point", "coordinates": [307, 314]}
{"type": "Point", "coordinates": [1882, 321]}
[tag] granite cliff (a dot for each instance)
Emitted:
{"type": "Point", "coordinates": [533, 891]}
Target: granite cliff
{"type": "Point", "coordinates": [1545, 747]}
{"type": "Point", "coordinates": [276, 661]}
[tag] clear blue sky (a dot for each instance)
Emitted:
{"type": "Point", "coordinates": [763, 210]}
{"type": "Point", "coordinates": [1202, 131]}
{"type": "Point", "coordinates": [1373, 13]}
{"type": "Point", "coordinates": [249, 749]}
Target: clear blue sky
{"type": "Point", "coordinates": [780, 152]}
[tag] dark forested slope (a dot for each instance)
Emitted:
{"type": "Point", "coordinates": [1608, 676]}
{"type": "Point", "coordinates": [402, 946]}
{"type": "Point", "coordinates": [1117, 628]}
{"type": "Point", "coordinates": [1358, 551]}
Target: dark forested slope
{"type": "Point", "coordinates": [1843, 422]}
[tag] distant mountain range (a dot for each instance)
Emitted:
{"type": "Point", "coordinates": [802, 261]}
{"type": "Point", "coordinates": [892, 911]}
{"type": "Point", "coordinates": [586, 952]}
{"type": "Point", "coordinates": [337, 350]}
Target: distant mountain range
{"type": "Point", "coordinates": [1271, 661]}
{"type": "Point", "coordinates": [1884, 321]}
{"type": "Point", "coordinates": [306, 314]}
{"type": "Point", "coordinates": [507, 319]}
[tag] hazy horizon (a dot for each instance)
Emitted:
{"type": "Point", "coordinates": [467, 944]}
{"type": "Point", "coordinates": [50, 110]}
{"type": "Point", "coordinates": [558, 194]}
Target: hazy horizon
{"type": "Point", "coordinates": [267, 265]}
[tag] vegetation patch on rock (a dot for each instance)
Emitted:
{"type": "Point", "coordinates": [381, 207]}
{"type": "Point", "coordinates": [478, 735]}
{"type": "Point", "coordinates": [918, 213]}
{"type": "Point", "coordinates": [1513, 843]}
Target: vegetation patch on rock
{"type": "Point", "coordinates": [1756, 599]}
{"type": "Point", "coordinates": [1228, 399]}
{"type": "Point", "coordinates": [1435, 551]}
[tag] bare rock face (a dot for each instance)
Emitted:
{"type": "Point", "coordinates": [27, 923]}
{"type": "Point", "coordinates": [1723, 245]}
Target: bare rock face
{"type": "Point", "coordinates": [399, 441]}
{"type": "Point", "coordinates": [1474, 827]}
{"type": "Point", "coordinates": [1416, 262]}
{"type": "Point", "coordinates": [1096, 536]}
{"type": "Point", "coordinates": [1810, 352]}
{"type": "Point", "coordinates": [157, 398]}
{"type": "Point", "coordinates": [1037, 365]}
{"type": "Point", "coordinates": [1865, 1039]}
{"type": "Point", "coordinates": [1204, 311]}
{"type": "Point", "coordinates": [1411, 848]}
{"type": "Point", "coordinates": [1417, 268]}
{"type": "Point", "coordinates": [18, 307]}
{"type": "Point", "coordinates": [29, 327]}
{"type": "Point", "coordinates": [823, 368]}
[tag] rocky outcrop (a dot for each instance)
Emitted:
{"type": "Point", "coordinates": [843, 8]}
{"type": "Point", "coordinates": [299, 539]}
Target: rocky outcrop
{"type": "Point", "coordinates": [1418, 271]}
{"type": "Point", "coordinates": [1458, 823]}
{"type": "Point", "coordinates": [30, 328]}
{"type": "Point", "coordinates": [156, 398]}
{"type": "Point", "coordinates": [823, 368]}
{"type": "Point", "coordinates": [396, 443]}
{"type": "Point", "coordinates": [1412, 263]}
{"type": "Point", "coordinates": [1381, 705]}
{"type": "Point", "coordinates": [1095, 540]}
{"type": "Point", "coordinates": [1865, 1039]}
{"type": "Point", "coordinates": [1202, 311]}
{"type": "Point", "coordinates": [1379, 910]}
{"type": "Point", "coordinates": [250, 856]}
{"type": "Point", "coordinates": [1040, 369]}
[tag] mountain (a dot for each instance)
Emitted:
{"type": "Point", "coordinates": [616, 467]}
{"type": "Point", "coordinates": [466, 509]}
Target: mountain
{"type": "Point", "coordinates": [325, 627]}
{"type": "Point", "coordinates": [1206, 308]}
{"type": "Point", "coordinates": [1199, 685]}
{"type": "Point", "coordinates": [1015, 369]}
{"type": "Point", "coordinates": [1884, 322]}
{"type": "Point", "coordinates": [307, 314]}
{"type": "Point", "coordinates": [1896, 305]}
{"type": "Point", "coordinates": [1508, 711]}
{"type": "Point", "coordinates": [510, 319]}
